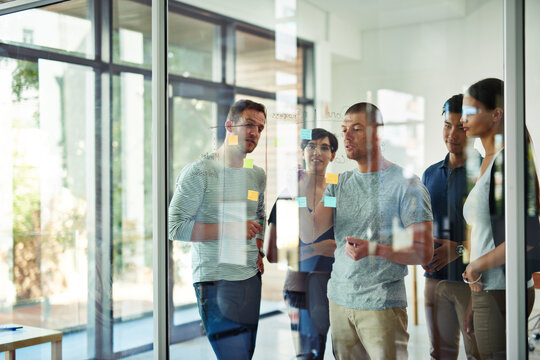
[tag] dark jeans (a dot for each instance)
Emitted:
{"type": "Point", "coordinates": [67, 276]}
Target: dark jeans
{"type": "Point", "coordinates": [313, 316]}
{"type": "Point", "coordinates": [230, 314]}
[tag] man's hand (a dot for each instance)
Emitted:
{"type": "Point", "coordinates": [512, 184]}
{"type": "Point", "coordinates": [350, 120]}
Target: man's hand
{"type": "Point", "coordinates": [260, 263]}
{"type": "Point", "coordinates": [356, 248]}
{"type": "Point", "coordinates": [443, 255]}
{"type": "Point", "coordinates": [252, 229]}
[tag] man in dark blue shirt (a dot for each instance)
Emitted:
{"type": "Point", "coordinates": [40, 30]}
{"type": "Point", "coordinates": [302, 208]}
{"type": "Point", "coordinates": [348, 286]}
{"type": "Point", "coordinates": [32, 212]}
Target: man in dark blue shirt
{"type": "Point", "coordinates": [446, 295]}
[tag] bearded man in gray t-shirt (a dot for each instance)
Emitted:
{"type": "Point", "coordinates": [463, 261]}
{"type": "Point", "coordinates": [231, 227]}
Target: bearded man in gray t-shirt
{"type": "Point", "coordinates": [383, 222]}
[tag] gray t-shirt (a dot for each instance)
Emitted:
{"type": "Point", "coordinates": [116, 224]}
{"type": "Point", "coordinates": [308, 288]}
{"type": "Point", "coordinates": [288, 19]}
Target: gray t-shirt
{"type": "Point", "coordinates": [373, 206]}
{"type": "Point", "coordinates": [208, 192]}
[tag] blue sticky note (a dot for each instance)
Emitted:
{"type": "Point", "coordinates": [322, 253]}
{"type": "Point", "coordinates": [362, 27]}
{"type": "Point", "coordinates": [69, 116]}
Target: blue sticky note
{"type": "Point", "coordinates": [302, 202]}
{"type": "Point", "coordinates": [305, 134]}
{"type": "Point", "coordinates": [330, 201]}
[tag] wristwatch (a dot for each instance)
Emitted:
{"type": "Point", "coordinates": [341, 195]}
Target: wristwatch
{"type": "Point", "coordinates": [261, 251]}
{"type": "Point", "coordinates": [459, 249]}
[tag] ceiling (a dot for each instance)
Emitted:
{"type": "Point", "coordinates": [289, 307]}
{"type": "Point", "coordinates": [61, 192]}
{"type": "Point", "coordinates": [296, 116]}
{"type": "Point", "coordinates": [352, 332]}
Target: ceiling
{"type": "Point", "coordinates": [377, 14]}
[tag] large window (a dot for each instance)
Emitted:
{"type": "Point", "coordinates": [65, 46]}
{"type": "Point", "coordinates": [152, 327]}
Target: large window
{"type": "Point", "coordinates": [213, 63]}
{"type": "Point", "coordinates": [76, 152]}
{"type": "Point", "coordinates": [76, 230]}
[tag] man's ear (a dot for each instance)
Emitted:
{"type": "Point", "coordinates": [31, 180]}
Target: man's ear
{"type": "Point", "coordinates": [228, 125]}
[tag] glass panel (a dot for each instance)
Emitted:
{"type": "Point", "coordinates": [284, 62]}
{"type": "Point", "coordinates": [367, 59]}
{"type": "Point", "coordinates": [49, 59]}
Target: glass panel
{"type": "Point", "coordinates": [46, 226]}
{"type": "Point", "coordinates": [188, 144]}
{"type": "Point", "coordinates": [263, 64]}
{"type": "Point", "coordinates": [532, 230]}
{"type": "Point", "coordinates": [132, 33]}
{"type": "Point", "coordinates": [194, 48]}
{"type": "Point", "coordinates": [360, 57]}
{"type": "Point", "coordinates": [132, 211]}
{"type": "Point", "coordinates": [46, 28]}
{"type": "Point", "coordinates": [76, 230]}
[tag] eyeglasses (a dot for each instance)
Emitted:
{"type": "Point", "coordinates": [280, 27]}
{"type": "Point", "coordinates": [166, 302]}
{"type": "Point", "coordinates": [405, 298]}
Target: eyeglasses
{"type": "Point", "coordinates": [322, 148]}
{"type": "Point", "coordinates": [469, 110]}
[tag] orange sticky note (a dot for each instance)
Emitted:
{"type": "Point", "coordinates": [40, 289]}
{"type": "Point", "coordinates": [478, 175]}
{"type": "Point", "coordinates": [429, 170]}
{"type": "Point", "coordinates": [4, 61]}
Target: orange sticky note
{"type": "Point", "coordinates": [331, 178]}
{"type": "Point", "coordinates": [233, 140]}
{"type": "Point", "coordinates": [253, 195]}
{"type": "Point", "coordinates": [248, 163]}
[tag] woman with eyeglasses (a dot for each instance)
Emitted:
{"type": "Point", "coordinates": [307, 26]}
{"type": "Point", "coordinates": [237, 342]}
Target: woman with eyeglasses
{"type": "Point", "coordinates": [305, 290]}
{"type": "Point", "coordinates": [483, 117]}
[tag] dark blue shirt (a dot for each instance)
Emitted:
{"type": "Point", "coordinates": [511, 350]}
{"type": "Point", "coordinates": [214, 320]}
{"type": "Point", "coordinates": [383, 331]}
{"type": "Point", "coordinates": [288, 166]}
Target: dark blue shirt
{"type": "Point", "coordinates": [448, 190]}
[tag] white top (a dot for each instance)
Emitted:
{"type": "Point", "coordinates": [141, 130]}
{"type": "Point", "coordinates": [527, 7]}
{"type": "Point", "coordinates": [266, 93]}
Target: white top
{"type": "Point", "coordinates": [476, 213]}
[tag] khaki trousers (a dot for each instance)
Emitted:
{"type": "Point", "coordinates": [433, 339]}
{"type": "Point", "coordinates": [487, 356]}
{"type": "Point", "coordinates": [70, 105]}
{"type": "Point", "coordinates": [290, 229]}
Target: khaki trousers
{"type": "Point", "coordinates": [446, 304]}
{"type": "Point", "coordinates": [489, 313]}
{"type": "Point", "coordinates": [368, 334]}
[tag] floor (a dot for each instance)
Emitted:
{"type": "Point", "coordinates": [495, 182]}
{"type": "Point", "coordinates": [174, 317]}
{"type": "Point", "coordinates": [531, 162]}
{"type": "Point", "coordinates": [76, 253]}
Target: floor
{"type": "Point", "coordinates": [274, 341]}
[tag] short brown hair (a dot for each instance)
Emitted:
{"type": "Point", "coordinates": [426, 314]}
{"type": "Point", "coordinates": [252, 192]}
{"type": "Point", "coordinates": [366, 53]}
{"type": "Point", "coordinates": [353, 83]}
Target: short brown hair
{"type": "Point", "coordinates": [373, 114]}
{"type": "Point", "coordinates": [238, 108]}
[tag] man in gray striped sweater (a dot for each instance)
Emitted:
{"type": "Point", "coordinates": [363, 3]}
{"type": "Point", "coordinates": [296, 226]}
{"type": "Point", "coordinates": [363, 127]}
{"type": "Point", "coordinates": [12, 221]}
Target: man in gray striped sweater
{"type": "Point", "coordinates": [218, 206]}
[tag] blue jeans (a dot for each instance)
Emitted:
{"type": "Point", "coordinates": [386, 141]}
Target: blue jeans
{"type": "Point", "coordinates": [230, 314]}
{"type": "Point", "coordinates": [313, 318]}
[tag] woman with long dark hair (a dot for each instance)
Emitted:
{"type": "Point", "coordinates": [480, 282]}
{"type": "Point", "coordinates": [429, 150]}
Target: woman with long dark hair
{"type": "Point", "coordinates": [483, 117]}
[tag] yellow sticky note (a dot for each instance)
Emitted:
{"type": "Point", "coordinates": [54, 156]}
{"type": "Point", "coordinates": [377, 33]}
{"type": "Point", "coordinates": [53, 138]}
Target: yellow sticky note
{"type": "Point", "coordinates": [253, 195]}
{"type": "Point", "coordinates": [248, 163]}
{"type": "Point", "coordinates": [233, 140]}
{"type": "Point", "coordinates": [331, 178]}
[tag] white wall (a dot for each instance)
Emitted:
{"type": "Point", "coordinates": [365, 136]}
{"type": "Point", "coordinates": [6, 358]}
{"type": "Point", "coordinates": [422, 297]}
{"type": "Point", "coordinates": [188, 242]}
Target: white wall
{"type": "Point", "coordinates": [434, 60]}
{"type": "Point", "coordinates": [437, 60]}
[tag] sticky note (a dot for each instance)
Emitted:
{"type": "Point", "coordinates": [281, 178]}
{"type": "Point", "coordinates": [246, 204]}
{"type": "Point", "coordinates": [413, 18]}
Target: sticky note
{"type": "Point", "coordinates": [233, 140]}
{"type": "Point", "coordinates": [331, 178]}
{"type": "Point", "coordinates": [253, 195]}
{"type": "Point", "coordinates": [330, 201]}
{"type": "Point", "coordinates": [302, 201]}
{"type": "Point", "coordinates": [305, 134]}
{"type": "Point", "coordinates": [248, 163]}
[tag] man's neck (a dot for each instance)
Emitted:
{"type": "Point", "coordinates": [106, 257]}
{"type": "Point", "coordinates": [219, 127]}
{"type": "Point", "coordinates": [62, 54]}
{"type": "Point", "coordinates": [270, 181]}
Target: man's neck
{"type": "Point", "coordinates": [376, 162]}
{"type": "Point", "coordinates": [455, 160]}
{"type": "Point", "coordinates": [231, 156]}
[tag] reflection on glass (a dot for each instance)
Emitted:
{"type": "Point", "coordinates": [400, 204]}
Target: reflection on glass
{"type": "Point", "coordinates": [46, 28]}
{"type": "Point", "coordinates": [132, 33]}
{"type": "Point", "coordinates": [258, 67]}
{"type": "Point", "coordinates": [194, 48]}
{"type": "Point", "coordinates": [46, 187]}
{"type": "Point", "coordinates": [132, 211]}
{"type": "Point", "coordinates": [188, 144]}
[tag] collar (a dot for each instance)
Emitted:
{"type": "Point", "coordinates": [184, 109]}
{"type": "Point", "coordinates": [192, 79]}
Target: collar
{"type": "Point", "coordinates": [444, 163]}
